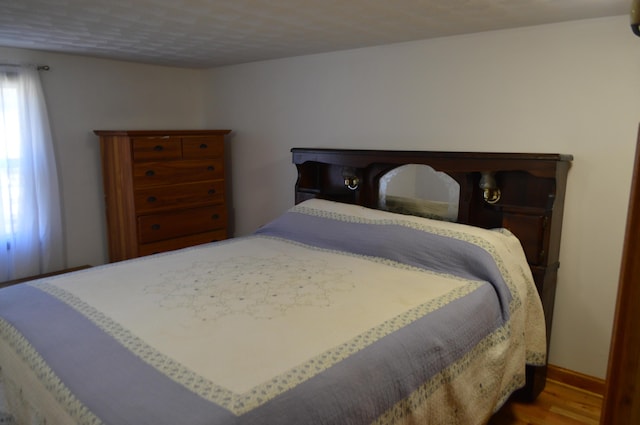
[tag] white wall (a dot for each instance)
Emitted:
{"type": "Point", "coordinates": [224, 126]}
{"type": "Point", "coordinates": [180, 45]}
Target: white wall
{"type": "Point", "coordinates": [568, 88]}
{"type": "Point", "coordinates": [86, 94]}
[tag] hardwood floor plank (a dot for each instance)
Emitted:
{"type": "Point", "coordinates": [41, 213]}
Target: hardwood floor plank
{"type": "Point", "coordinates": [558, 404]}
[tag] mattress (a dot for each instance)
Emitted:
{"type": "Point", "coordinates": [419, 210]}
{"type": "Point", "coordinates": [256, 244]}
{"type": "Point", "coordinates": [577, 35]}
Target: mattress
{"type": "Point", "coordinates": [330, 314]}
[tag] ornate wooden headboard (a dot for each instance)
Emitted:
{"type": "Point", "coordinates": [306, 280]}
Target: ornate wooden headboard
{"type": "Point", "coordinates": [532, 190]}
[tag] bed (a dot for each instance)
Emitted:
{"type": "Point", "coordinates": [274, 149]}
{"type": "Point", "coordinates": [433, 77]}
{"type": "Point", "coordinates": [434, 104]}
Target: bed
{"type": "Point", "coordinates": [336, 312]}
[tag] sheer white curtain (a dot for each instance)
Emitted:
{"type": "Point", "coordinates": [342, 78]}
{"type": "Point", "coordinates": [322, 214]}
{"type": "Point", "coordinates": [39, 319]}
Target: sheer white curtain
{"type": "Point", "coordinates": [31, 238]}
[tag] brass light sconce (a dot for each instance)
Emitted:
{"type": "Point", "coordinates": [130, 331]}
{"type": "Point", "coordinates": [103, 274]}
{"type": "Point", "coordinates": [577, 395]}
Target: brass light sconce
{"type": "Point", "coordinates": [351, 181]}
{"type": "Point", "coordinates": [635, 17]}
{"type": "Point", "coordinates": [490, 190]}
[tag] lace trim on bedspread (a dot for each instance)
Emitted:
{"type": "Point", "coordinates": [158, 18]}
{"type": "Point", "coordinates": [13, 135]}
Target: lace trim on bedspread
{"type": "Point", "coordinates": [5, 390]}
{"type": "Point", "coordinates": [402, 411]}
{"type": "Point", "coordinates": [22, 412]}
{"type": "Point", "coordinates": [46, 376]}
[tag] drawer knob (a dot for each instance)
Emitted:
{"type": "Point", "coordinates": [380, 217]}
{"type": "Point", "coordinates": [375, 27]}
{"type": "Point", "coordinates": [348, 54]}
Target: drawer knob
{"type": "Point", "coordinates": [155, 227]}
{"type": "Point", "coordinates": [152, 199]}
{"type": "Point", "coordinates": [212, 192]}
{"type": "Point", "coordinates": [211, 168]}
{"type": "Point", "coordinates": [203, 146]}
{"type": "Point", "coordinates": [150, 173]}
{"type": "Point", "coordinates": [158, 148]}
{"type": "Point", "coordinates": [215, 216]}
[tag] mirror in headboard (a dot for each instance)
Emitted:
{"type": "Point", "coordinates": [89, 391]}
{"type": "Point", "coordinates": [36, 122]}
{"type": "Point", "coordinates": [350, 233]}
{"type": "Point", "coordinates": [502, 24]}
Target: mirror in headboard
{"type": "Point", "coordinates": [419, 190]}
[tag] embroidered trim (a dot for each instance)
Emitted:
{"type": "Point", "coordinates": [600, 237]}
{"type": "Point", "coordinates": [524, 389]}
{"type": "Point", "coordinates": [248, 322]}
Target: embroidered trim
{"type": "Point", "coordinates": [405, 408]}
{"type": "Point", "coordinates": [46, 376]}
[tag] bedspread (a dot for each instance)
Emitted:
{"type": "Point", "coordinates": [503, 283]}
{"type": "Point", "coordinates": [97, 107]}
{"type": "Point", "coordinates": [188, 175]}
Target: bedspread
{"type": "Point", "coordinates": [331, 314]}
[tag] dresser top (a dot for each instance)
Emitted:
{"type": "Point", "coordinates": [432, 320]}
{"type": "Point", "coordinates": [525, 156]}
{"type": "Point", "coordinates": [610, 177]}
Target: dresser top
{"type": "Point", "coordinates": [150, 133]}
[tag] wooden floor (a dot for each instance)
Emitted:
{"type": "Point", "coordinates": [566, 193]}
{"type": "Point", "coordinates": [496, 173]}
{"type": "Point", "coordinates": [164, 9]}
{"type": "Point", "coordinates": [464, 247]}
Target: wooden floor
{"type": "Point", "coordinates": [558, 404]}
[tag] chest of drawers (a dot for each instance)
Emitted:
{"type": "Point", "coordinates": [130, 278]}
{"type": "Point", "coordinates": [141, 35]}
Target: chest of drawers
{"type": "Point", "coordinates": [163, 190]}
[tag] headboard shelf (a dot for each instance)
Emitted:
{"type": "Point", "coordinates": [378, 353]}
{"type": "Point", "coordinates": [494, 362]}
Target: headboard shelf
{"type": "Point", "coordinates": [531, 202]}
{"type": "Point", "coordinates": [539, 164]}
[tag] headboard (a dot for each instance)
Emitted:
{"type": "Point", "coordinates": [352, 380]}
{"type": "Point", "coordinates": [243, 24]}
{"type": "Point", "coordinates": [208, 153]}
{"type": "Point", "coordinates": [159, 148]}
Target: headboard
{"type": "Point", "coordinates": [523, 192]}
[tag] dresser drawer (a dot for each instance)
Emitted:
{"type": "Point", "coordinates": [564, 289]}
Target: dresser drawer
{"type": "Point", "coordinates": [183, 242]}
{"type": "Point", "coordinates": [157, 227]}
{"type": "Point", "coordinates": [170, 172]}
{"type": "Point", "coordinates": [154, 148]}
{"type": "Point", "coordinates": [178, 195]}
{"type": "Point", "coordinates": [202, 147]}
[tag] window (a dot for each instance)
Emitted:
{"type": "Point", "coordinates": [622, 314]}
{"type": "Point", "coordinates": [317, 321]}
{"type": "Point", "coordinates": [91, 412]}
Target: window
{"type": "Point", "coordinates": [9, 155]}
{"type": "Point", "coordinates": [30, 219]}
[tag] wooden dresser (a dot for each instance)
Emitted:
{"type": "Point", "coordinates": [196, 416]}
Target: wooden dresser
{"type": "Point", "coordinates": [163, 190]}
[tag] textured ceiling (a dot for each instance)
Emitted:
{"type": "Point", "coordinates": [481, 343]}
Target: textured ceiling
{"type": "Point", "coordinates": [209, 33]}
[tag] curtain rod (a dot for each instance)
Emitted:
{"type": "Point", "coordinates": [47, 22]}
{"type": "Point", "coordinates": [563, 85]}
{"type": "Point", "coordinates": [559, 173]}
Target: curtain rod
{"type": "Point", "coordinates": [38, 67]}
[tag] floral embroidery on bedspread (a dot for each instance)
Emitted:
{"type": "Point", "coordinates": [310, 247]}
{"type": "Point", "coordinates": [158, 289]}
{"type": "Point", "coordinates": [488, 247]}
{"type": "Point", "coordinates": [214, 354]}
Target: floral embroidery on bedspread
{"type": "Point", "coordinates": [260, 287]}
